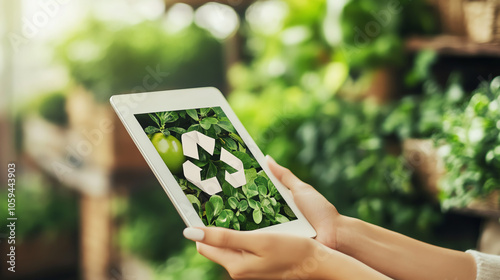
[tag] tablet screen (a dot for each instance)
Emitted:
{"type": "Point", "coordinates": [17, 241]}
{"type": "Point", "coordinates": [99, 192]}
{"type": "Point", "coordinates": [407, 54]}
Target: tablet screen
{"type": "Point", "coordinates": [215, 169]}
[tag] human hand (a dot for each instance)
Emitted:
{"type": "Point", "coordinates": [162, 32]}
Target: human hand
{"type": "Point", "coordinates": [322, 215]}
{"type": "Point", "coordinates": [264, 255]}
{"type": "Point", "coordinates": [271, 255]}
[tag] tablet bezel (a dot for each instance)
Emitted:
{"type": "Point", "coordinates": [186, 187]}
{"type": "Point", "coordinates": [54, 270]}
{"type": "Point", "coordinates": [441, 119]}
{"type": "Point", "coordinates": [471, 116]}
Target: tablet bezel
{"type": "Point", "coordinates": [128, 105]}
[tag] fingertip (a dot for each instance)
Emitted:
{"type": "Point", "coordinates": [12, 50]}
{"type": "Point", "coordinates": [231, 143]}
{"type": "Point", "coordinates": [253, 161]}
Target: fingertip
{"type": "Point", "coordinates": [270, 159]}
{"type": "Point", "coordinates": [273, 165]}
{"type": "Point", "coordinates": [195, 234]}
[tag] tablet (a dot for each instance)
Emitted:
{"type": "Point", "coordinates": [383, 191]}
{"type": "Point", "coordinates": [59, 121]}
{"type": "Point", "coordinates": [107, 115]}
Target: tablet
{"type": "Point", "coordinates": [207, 163]}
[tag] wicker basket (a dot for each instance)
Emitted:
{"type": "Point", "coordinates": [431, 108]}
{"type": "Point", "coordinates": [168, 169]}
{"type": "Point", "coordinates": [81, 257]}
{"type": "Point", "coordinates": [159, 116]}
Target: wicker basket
{"type": "Point", "coordinates": [482, 20]}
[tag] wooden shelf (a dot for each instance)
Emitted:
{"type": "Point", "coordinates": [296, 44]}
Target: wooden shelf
{"type": "Point", "coordinates": [453, 45]}
{"type": "Point", "coordinates": [239, 5]}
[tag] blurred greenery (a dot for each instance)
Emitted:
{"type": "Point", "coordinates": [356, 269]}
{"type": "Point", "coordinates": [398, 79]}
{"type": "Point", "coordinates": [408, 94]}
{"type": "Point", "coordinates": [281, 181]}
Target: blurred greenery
{"type": "Point", "coordinates": [470, 146]}
{"type": "Point", "coordinates": [150, 226]}
{"type": "Point", "coordinates": [110, 58]}
{"type": "Point", "coordinates": [44, 208]}
{"type": "Point", "coordinates": [188, 264]}
{"type": "Point", "coordinates": [373, 31]}
{"type": "Point", "coordinates": [53, 108]}
{"type": "Point", "coordinates": [306, 105]}
{"type": "Point", "coordinates": [305, 99]}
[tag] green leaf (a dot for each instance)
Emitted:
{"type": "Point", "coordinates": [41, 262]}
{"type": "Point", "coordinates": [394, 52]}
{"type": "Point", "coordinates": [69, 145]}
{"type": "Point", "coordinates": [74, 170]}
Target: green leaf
{"type": "Point", "coordinates": [250, 190]}
{"type": "Point", "coordinates": [237, 138]}
{"type": "Point", "coordinates": [205, 111]}
{"type": "Point", "coordinates": [151, 130]}
{"type": "Point", "coordinates": [241, 195]}
{"type": "Point", "coordinates": [230, 144]}
{"type": "Point", "coordinates": [253, 204]}
{"type": "Point", "coordinates": [216, 129]}
{"type": "Point", "coordinates": [233, 202]}
{"type": "Point", "coordinates": [218, 112]}
{"type": "Point", "coordinates": [250, 175]}
{"type": "Point", "coordinates": [155, 119]}
{"type": "Point", "coordinates": [257, 216]}
{"type": "Point", "coordinates": [262, 190]}
{"type": "Point", "coordinates": [288, 211]}
{"type": "Point", "coordinates": [194, 127]}
{"type": "Point", "coordinates": [242, 218]}
{"type": "Point", "coordinates": [207, 122]}
{"type": "Point", "coordinates": [261, 180]}
{"type": "Point", "coordinates": [272, 188]}
{"type": "Point", "coordinates": [224, 219]}
{"type": "Point", "coordinates": [178, 130]}
{"type": "Point", "coordinates": [210, 120]}
{"type": "Point", "coordinates": [166, 132]}
{"type": "Point", "coordinates": [245, 158]}
{"type": "Point", "coordinates": [193, 114]}
{"type": "Point", "coordinates": [281, 219]}
{"type": "Point", "coordinates": [236, 223]}
{"type": "Point", "coordinates": [215, 205]}
{"type": "Point", "coordinates": [212, 170]}
{"type": "Point", "coordinates": [243, 205]}
{"type": "Point", "coordinates": [251, 226]}
{"type": "Point", "coordinates": [273, 201]}
{"type": "Point", "coordinates": [228, 190]}
{"type": "Point", "coordinates": [227, 126]}
{"type": "Point", "coordinates": [266, 206]}
{"type": "Point", "coordinates": [209, 211]}
{"type": "Point", "coordinates": [194, 200]}
{"type": "Point", "coordinates": [171, 117]}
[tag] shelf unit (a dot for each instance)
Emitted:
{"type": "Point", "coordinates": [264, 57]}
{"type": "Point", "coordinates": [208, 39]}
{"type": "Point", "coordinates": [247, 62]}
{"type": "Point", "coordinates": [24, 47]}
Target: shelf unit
{"type": "Point", "coordinates": [453, 45]}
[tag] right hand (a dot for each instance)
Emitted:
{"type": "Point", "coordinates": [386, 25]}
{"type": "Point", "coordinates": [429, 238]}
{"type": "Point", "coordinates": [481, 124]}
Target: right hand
{"type": "Point", "coordinates": [322, 215]}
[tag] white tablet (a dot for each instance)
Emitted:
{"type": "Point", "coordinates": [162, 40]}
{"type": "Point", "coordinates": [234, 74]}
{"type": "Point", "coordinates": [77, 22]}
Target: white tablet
{"type": "Point", "coordinates": [206, 161]}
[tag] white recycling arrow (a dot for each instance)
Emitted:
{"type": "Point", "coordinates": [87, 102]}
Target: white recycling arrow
{"type": "Point", "coordinates": [191, 139]}
{"type": "Point", "coordinates": [190, 142]}
{"type": "Point", "coordinates": [236, 179]}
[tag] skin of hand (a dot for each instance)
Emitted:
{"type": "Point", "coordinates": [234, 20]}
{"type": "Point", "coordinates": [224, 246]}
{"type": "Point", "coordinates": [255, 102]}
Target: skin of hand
{"type": "Point", "coordinates": [322, 215]}
{"type": "Point", "coordinates": [268, 255]}
{"type": "Point", "coordinates": [388, 252]}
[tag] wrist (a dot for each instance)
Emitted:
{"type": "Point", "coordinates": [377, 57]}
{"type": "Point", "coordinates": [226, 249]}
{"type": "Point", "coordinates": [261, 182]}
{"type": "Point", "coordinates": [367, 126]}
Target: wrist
{"type": "Point", "coordinates": [332, 265]}
{"type": "Point", "coordinates": [347, 232]}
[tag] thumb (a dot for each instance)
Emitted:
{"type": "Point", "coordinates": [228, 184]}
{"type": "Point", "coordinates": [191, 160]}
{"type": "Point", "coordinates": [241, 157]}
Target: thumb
{"type": "Point", "coordinates": [285, 176]}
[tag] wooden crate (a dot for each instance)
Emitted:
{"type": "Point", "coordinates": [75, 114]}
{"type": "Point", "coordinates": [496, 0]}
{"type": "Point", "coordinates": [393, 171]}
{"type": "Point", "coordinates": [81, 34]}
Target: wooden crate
{"type": "Point", "coordinates": [97, 124]}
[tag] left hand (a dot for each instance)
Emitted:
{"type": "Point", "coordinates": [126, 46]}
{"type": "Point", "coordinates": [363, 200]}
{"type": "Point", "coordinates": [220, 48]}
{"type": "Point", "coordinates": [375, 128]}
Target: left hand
{"type": "Point", "coordinates": [264, 255]}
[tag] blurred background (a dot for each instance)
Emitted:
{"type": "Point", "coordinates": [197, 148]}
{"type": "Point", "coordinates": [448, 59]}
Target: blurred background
{"type": "Point", "coordinates": [390, 108]}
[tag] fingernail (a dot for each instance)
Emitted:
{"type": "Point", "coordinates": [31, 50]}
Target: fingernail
{"type": "Point", "coordinates": [194, 234]}
{"type": "Point", "coordinates": [270, 158]}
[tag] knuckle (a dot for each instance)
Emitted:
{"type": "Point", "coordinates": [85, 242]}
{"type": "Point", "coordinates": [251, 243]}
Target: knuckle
{"type": "Point", "coordinates": [287, 172]}
{"type": "Point", "coordinates": [268, 243]}
{"type": "Point", "coordinates": [224, 238]}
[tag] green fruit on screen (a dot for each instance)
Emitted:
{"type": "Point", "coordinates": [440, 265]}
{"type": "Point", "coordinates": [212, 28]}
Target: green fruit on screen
{"type": "Point", "coordinates": [170, 150]}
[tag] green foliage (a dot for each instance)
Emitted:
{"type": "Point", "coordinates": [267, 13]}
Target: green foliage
{"type": "Point", "coordinates": [188, 264]}
{"type": "Point", "coordinates": [470, 146]}
{"type": "Point", "coordinates": [110, 58]}
{"type": "Point", "coordinates": [294, 100]}
{"type": "Point", "coordinates": [464, 127]}
{"type": "Point", "coordinates": [373, 30]}
{"type": "Point", "coordinates": [255, 205]}
{"type": "Point", "coordinates": [53, 108]}
{"type": "Point", "coordinates": [41, 208]}
{"type": "Point", "coordinates": [150, 226]}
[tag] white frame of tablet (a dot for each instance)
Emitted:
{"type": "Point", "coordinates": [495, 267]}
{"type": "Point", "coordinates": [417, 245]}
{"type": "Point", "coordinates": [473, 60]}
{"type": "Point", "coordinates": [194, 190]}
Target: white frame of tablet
{"type": "Point", "coordinates": [127, 105]}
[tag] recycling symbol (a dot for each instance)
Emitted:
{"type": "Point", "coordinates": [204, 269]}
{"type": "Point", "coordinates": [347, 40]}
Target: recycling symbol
{"type": "Point", "coordinates": [190, 142]}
